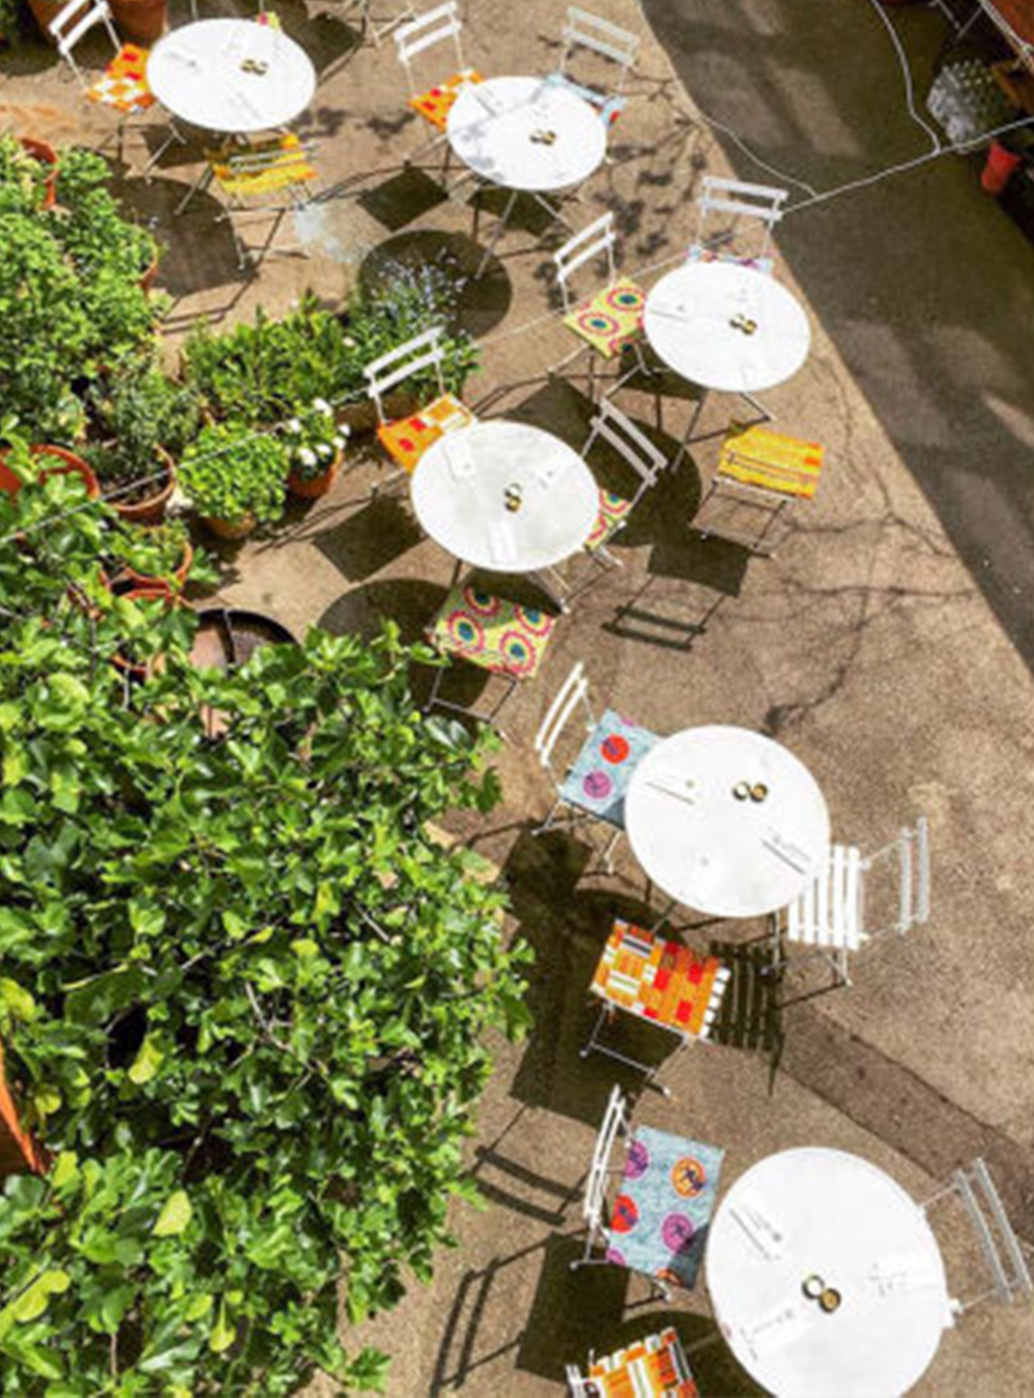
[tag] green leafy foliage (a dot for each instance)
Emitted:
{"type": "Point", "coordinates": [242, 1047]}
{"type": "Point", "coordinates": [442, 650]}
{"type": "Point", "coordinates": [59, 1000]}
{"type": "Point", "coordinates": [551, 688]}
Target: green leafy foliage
{"type": "Point", "coordinates": [232, 471]}
{"type": "Point", "coordinates": [245, 996]}
{"type": "Point", "coordinates": [139, 415]}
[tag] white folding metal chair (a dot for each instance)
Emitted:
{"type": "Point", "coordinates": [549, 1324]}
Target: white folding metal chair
{"type": "Point", "coordinates": [632, 1368]}
{"type": "Point", "coordinates": [616, 1126]}
{"type": "Point", "coordinates": [753, 211]}
{"type": "Point", "coordinates": [588, 32]}
{"type": "Point", "coordinates": [831, 918]}
{"type": "Point", "coordinates": [414, 39]}
{"type": "Point", "coordinates": [1011, 1279]}
{"type": "Point", "coordinates": [612, 317]}
{"type": "Point", "coordinates": [593, 782]}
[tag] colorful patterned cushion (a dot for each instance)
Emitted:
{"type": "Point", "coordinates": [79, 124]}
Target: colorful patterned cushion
{"type": "Point", "coordinates": [613, 318]}
{"type": "Point", "coordinates": [609, 108]}
{"type": "Point", "coordinates": [435, 104]}
{"type": "Point", "coordinates": [278, 164]}
{"type": "Point", "coordinates": [654, 1367]}
{"type": "Point", "coordinates": [760, 264]}
{"type": "Point", "coordinates": [270, 19]}
{"type": "Point", "coordinates": [408, 438]}
{"type": "Point", "coordinates": [491, 632]}
{"type": "Point", "coordinates": [599, 777]}
{"type": "Point", "coordinates": [771, 461]}
{"type": "Point", "coordinates": [613, 512]}
{"type": "Point", "coordinates": [123, 84]}
{"type": "Point", "coordinates": [667, 1196]}
{"type": "Point", "coordinates": [659, 980]}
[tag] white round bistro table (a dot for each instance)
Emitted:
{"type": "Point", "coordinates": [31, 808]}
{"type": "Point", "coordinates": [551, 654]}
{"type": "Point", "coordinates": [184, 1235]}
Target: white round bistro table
{"type": "Point", "coordinates": [462, 482]}
{"type": "Point", "coordinates": [526, 134]}
{"type": "Point", "coordinates": [727, 327]}
{"type": "Point", "coordinates": [826, 1215]}
{"type": "Point", "coordinates": [706, 841]}
{"type": "Point", "coordinates": [231, 75]}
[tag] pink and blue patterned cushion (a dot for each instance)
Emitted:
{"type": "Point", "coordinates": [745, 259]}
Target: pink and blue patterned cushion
{"type": "Point", "coordinates": [598, 779]}
{"type": "Point", "coordinates": [660, 1217]}
{"type": "Point", "coordinates": [760, 264]}
{"type": "Point", "coordinates": [492, 632]}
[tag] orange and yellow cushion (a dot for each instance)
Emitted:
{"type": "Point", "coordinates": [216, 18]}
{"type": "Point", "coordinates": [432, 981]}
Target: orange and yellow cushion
{"type": "Point", "coordinates": [435, 104]}
{"type": "Point", "coordinates": [261, 167]}
{"type": "Point", "coordinates": [658, 980]}
{"type": "Point", "coordinates": [771, 461]}
{"type": "Point", "coordinates": [611, 319]}
{"type": "Point", "coordinates": [611, 515]}
{"type": "Point", "coordinates": [123, 84]}
{"type": "Point", "coordinates": [492, 632]}
{"type": "Point", "coordinates": [654, 1367]}
{"type": "Point", "coordinates": [407, 438]}
{"type": "Point", "coordinates": [270, 19]}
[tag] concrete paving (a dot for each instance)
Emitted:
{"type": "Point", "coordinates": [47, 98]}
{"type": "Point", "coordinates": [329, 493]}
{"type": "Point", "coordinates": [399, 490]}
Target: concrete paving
{"type": "Point", "coordinates": [888, 643]}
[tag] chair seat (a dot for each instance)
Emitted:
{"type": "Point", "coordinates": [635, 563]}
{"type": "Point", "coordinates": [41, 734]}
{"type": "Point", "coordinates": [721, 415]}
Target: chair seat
{"type": "Point", "coordinates": [599, 776]}
{"type": "Point", "coordinates": [407, 438]}
{"type": "Point", "coordinates": [771, 461]}
{"type": "Point", "coordinates": [612, 319]}
{"type": "Point", "coordinates": [654, 1367]}
{"type": "Point", "coordinates": [611, 516]}
{"type": "Point", "coordinates": [435, 104]}
{"type": "Point", "coordinates": [666, 1198]}
{"type": "Point", "coordinates": [829, 911]}
{"type": "Point", "coordinates": [123, 84]}
{"type": "Point", "coordinates": [261, 167]}
{"type": "Point", "coordinates": [696, 253]}
{"type": "Point", "coordinates": [660, 980]}
{"type": "Point", "coordinates": [492, 632]}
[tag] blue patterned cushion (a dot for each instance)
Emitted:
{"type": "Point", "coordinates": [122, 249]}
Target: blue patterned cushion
{"type": "Point", "coordinates": [598, 780]}
{"type": "Point", "coordinates": [764, 265]}
{"type": "Point", "coordinates": [660, 1217]}
{"type": "Point", "coordinates": [609, 108]}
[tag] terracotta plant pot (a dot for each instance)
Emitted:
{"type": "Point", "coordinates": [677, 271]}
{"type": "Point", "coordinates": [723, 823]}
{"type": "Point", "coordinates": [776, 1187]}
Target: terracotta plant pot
{"type": "Point", "coordinates": [129, 575]}
{"type": "Point", "coordinates": [44, 12]}
{"type": "Point", "coordinates": [147, 279]}
{"type": "Point", "coordinates": [18, 1152]}
{"type": "Point", "coordinates": [139, 21]}
{"type": "Point", "coordinates": [70, 465]}
{"type": "Point", "coordinates": [312, 487]}
{"type": "Point", "coordinates": [46, 155]}
{"type": "Point", "coordinates": [230, 529]}
{"type": "Point", "coordinates": [152, 509]}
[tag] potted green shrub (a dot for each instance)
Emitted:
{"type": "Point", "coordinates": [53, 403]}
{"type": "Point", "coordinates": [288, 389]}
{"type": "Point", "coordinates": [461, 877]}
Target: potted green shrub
{"type": "Point", "coordinates": [24, 464]}
{"type": "Point", "coordinates": [315, 445]}
{"type": "Point", "coordinates": [145, 421]}
{"type": "Point", "coordinates": [28, 172]}
{"type": "Point", "coordinates": [158, 556]}
{"type": "Point", "coordinates": [235, 478]}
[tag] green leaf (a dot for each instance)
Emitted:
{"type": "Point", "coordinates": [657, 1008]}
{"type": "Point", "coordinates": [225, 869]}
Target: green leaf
{"type": "Point", "coordinates": [146, 1063]}
{"type": "Point", "coordinates": [175, 1215]}
{"type": "Point", "coordinates": [34, 1300]}
{"type": "Point", "coordinates": [15, 1002]}
{"type": "Point", "coordinates": [223, 1332]}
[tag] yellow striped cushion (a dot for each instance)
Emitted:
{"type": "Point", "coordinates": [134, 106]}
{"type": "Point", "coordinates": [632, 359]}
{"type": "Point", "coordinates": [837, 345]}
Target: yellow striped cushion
{"type": "Point", "coordinates": [287, 164]}
{"type": "Point", "coordinates": [771, 461]}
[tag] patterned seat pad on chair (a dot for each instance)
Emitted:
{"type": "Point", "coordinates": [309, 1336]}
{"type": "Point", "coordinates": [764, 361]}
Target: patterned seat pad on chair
{"type": "Point", "coordinates": [764, 265]}
{"type": "Point", "coordinates": [654, 1367]}
{"type": "Point", "coordinates": [613, 318]}
{"type": "Point", "coordinates": [656, 979]}
{"type": "Point", "coordinates": [492, 632]}
{"type": "Point", "coordinates": [436, 103]}
{"type": "Point", "coordinates": [666, 1199]}
{"type": "Point", "coordinates": [123, 84]}
{"type": "Point", "coordinates": [771, 461]}
{"type": "Point", "coordinates": [279, 163]}
{"type": "Point", "coordinates": [613, 511]}
{"type": "Point", "coordinates": [408, 438]}
{"type": "Point", "coordinates": [599, 777]}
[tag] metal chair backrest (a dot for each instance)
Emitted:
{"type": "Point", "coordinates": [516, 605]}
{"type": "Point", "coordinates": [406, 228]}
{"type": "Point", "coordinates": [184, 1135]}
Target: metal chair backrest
{"type": "Point", "coordinates": [426, 31]}
{"type": "Point", "coordinates": [631, 444]}
{"type": "Point", "coordinates": [272, 157]}
{"type": "Point", "coordinates": [572, 694]}
{"type": "Point", "coordinates": [423, 351]}
{"type": "Point", "coordinates": [615, 1123]}
{"type": "Point", "coordinates": [588, 31]}
{"type": "Point", "coordinates": [994, 1232]}
{"type": "Point", "coordinates": [75, 20]}
{"type": "Point", "coordinates": [911, 851]}
{"type": "Point", "coordinates": [760, 206]}
{"type": "Point", "coordinates": [591, 242]}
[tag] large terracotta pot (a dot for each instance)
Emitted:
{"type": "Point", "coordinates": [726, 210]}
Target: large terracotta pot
{"type": "Point", "coordinates": [143, 580]}
{"type": "Point", "coordinates": [152, 509]}
{"type": "Point", "coordinates": [46, 155]}
{"type": "Point", "coordinates": [44, 12]}
{"type": "Point", "coordinates": [70, 465]}
{"type": "Point", "coordinates": [139, 21]}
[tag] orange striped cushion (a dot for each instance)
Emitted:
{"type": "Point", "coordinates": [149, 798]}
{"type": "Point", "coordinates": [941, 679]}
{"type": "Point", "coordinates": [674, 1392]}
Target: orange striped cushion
{"type": "Point", "coordinates": [771, 461]}
{"type": "Point", "coordinates": [659, 980]}
{"type": "Point", "coordinates": [654, 1367]}
{"type": "Point", "coordinates": [435, 104]}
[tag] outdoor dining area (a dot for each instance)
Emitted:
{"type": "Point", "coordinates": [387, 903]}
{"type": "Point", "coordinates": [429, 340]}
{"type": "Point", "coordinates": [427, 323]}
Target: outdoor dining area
{"type": "Point", "coordinates": [718, 854]}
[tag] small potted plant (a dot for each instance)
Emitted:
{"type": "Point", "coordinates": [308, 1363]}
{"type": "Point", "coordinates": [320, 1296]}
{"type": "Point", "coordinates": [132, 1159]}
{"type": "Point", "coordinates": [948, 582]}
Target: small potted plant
{"type": "Point", "coordinates": [22, 464]}
{"type": "Point", "coordinates": [157, 556]}
{"type": "Point", "coordinates": [235, 477]}
{"type": "Point", "coordinates": [28, 174]}
{"type": "Point", "coordinates": [315, 444]}
{"type": "Point", "coordinates": [144, 421]}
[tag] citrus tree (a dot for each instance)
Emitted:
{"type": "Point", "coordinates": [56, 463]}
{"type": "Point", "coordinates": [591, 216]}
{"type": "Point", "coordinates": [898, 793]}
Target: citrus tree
{"type": "Point", "coordinates": [243, 994]}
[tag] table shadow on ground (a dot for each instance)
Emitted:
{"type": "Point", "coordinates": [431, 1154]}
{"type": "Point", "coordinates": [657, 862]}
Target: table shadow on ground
{"type": "Point", "coordinates": [481, 303]}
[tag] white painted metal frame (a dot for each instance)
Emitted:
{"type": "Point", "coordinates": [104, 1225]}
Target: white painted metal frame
{"type": "Point", "coordinates": [253, 162]}
{"type": "Point", "coordinates": [760, 206]}
{"type": "Point", "coordinates": [584, 30]}
{"type": "Point", "coordinates": [616, 1123]}
{"type": "Point", "coordinates": [425, 32]}
{"type": "Point", "coordinates": [423, 351]}
{"type": "Point", "coordinates": [1002, 1250]}
{"type": "Point", "coordinates": [591, 243]}
{"type": "Point", "coordinates": [829, 918]}
{"type": "Point", "coordinates": [634, 447]}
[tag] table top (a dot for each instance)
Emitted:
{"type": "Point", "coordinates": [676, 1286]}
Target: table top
{"type": "Point", "coordinates": [815, 1212]}
{"type": "Point", "coordinates": [460, 490]}
{"type": "Point", "coordinates": [198, 73]}
{"type": "Point", "coordinates": [525, 133]}
{"type": "Point", "coordinates": [708, 848]}
{"type": "Point", "coordinates": [698, 320]}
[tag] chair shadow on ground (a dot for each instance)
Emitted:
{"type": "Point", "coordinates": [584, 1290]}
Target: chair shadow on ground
{"type": "Point", "coordinates": [480, 303]}
{"type": "Point", "coordinates": [367, 539]}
